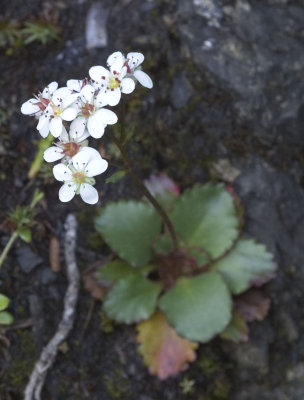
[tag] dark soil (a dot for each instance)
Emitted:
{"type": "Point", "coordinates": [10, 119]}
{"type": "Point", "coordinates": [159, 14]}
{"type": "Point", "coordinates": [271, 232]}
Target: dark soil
{"type": "Point", "coordinates": [187, 122]}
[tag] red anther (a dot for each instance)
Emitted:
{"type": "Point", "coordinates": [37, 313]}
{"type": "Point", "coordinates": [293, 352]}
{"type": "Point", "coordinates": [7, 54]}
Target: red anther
{"type": "Point", "coordinates": [103, 77]}
{"type": "Point", "coordinates": [71, 149]}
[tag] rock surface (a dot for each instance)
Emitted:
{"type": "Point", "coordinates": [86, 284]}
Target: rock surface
{"type": "Point", "coordinates": [253, 49]}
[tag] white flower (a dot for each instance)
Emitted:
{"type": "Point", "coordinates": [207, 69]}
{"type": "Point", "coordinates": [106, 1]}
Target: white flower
{"type": "Point", "coordinates": [68, 146]}
{"type": "Point", "coordinates": [114, 82]}
{"type": "Point", "coordinates": [91, 114]}
{"type": "Point", "coordinates": [78, 177]}
{"type": "Point", "coordinates": [75, 85]}
{"type": "Point", "coordinates": [133, 62]}
{"type": "Point", "coordinates": [37, 105]}
{"type": "Point", "coordinates": [58, 109]}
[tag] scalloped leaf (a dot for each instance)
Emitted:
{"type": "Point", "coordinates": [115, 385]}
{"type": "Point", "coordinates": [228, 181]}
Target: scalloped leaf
{"type": "Point", "coordinates": [163, 351]}
{"type": "Point", "coordinates": [111, 272]}
{"type": "Point", "coordinates": [198, 307]}
{"type": "Point", "coordinates": [205, 217]}
{"type": "Point", "coordinates": [132, 299]}
{"type": "Point", "coordinates": [247, 264]}
{"type": "Point", "coordinates": [4, 302]}
{"type": "Point", "coordinates": [6, 318]}
{"type": "Point", "coordinates": [129, 228]}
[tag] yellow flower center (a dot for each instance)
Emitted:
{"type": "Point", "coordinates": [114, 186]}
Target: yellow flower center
{"type": "Point", "coordinates": [79, 177]}
{"type": "Point", "coordinates": [56, 110]}
{"type": "Point", "coordinates": [114, 82]}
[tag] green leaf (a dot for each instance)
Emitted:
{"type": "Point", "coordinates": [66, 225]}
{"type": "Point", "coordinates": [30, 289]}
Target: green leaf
{"type": "Point", "coordinates": [117, 176]}
{"type": "Point", "coordinates": [198, 307]}
{"type": "Point", "coordinates": [163, 244]}
{"type": "Point", "coordinates": [247, 264]}
{"type": "Point", "coordinates": [129, 228]}
{"type": "Point", "coordinates": [4, 301]}
{"type": "Point", "coordinates": [25, 234]}
{"type": "Point", "coordinates": [6, 318]}
{"type": "Point", "coordinates": [132, 299]}
{"type": "Point", "coordinates": [114, 270]}
{"type": "Point", "coordinates": [205, 217]}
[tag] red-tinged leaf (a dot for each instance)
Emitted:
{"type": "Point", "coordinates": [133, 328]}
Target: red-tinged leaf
{"type": "Point", "coordinates": [253, 305]}
{"type": "Point", "coordinates": [237, 330]}
{"type": "Point", "coordinates": [163, 188]}
{"type": "Point", "coordinates": [163, 351]}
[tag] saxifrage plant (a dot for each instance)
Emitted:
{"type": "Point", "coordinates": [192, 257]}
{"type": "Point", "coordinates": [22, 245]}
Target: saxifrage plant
{"type": "Point", "coordinates": [183, 268]}
{"type": "Point", "coordinates": [185, 295]}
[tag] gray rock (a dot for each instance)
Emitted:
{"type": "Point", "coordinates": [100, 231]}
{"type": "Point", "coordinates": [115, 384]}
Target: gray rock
{"type": "Point", "coordinates": [96, 27]}
{"type": "Point", "coordinates": [180, 91]}
{"type": "Point", "coordinates": [47, 276]}
{"type": "Point", "coordinates": [274, 211]}
{"type": "Point", "coordinates": [27, 259]}
{"type": "Point", "coordinates": [254, 50]}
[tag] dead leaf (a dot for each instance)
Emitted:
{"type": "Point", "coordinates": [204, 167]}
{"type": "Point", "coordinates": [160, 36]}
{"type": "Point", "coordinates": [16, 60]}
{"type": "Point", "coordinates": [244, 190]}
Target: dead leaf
{"type": "Point", "coordinates": [54, 254]}
{"type": "Point", "coordinates": [253, 305]}
{"type": "Point", "coordinates": [163, 351]}
{"type": "Point", "coordinates": [91, 285]}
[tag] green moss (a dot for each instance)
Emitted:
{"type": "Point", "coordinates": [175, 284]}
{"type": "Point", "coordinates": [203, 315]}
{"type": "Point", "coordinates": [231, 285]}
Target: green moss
{"type": "Point", "coordinates": [187, 385]}
{"type": "Point", "coordinates": [107, 324]}
{"type": "Point", "coordinates": [221, 388]}
{"type": "Point", "coordinates": [209, 365]}
{"type": "Point", "coordinates": [94, 241]}
{"type": "Point", "coordinates": [17, 374]}
{"type": "Point", "coordinates": [117, 385]}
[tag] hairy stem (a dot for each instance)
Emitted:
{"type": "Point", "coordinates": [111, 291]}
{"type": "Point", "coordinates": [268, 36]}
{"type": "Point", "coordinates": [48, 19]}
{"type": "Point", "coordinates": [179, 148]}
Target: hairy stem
{"type": "Point", "coordinates": [146, 192]}
{"type": "Point", "coordinates": [8, 247]}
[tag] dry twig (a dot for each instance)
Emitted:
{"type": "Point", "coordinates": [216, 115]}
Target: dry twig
{"type": "Point", "coordinates": [48, 354]}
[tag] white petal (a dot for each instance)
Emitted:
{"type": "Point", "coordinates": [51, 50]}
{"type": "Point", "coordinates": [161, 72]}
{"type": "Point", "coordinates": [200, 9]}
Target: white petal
{"type": "Point", "coordinates": [62, 173]}
{"type": "Point", "coordinates": [127, 85]}
{"type": "Point", "coordinates": [52, 154]}
{"type": "Point", "coordinates": [143, 79]}
{"type": "Point", "coordinates": [56, 126]}
{"type": "Point", "coordinates": [113, 96]}
{"type": "Point", "coordinates": [61, 92]}
{"type": "Point", "coordinates": [45, 130]}
{"type": "Point", "coordinates": [74, 84]}
{"type": "Point", "coordinates": [117, 65]}
{"type": "Point", "coordinates": [97, 72]}
{"type": "Point", "coordinates": [43, 119]}
{"type": "Point", "coordinates": [87, 93]}
{"type": "Point", "coordinates": [82, 137]}
{"type": "Point", "coordinates": [101, 100]}
{"type": "Point", "coordinates": [113, 57]}
{"type": "Point", "coordinates": [77, 127]}
{"type": "Point", "coordinates": [68, 114]}
{"type": "Point", "coordinates": [135, 59]}
{"type": "Point", "coordinates": [30, 107]}
{"type": "Point", "coordinates": [106, 117]}
{"type": "Point", "coordinates": [96, 167]}
{"type": "Point", "coordinates": [49, 90]}
{"type": "Point", "coordinates": [64, 137]}
{"type": "Point", "coordinates": [88, 193]}
{"type": "Point", "coordinates": [67, 192]}
{"type": "Point", "coordinates": [80, 160]}
{"type": "Point", "coordinates": [70, 99]}
{"type": "Point", "coordinates": [93, 153]}
{"type": "Point", "coordinates": [95, 126]}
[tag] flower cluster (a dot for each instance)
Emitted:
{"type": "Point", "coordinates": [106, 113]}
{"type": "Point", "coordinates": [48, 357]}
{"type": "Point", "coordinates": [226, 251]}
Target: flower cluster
{"type": "Point", "coordinates": [82, 103]}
